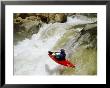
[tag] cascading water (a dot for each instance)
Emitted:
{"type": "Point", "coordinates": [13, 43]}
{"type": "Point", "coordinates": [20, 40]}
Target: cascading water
{"type": "Point", "coordinates": [31, 55]}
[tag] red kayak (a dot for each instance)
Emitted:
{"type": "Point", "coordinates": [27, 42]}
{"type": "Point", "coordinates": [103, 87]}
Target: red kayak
{"type": "Point", "coordinates": [62, 62]}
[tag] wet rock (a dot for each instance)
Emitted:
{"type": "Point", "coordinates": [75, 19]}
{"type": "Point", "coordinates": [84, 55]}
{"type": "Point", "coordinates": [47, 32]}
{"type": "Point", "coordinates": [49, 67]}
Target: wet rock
{"type": "Point", "coordinates": [25, 28]}
{"type": "Point", "coordinates": [60, 18]}
{"type": "Point", "coordinates": [44, 17]}
{"type": "Point", "coordinates": [27, 24]}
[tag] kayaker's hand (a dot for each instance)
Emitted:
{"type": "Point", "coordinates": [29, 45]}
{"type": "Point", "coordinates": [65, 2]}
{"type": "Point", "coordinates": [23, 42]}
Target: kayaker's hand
{"type": "Point", "coordinates": [53, 54]}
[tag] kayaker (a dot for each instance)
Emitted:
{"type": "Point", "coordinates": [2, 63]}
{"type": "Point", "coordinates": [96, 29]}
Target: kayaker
{"type": "Point", "coordinates": [59, 55]}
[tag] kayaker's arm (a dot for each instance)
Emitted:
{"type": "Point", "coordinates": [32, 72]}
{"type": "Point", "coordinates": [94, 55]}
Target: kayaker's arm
{"type": "Point", "coordinates": [57, 52]}
{"type": "Point", "coordinates": [54, 53]}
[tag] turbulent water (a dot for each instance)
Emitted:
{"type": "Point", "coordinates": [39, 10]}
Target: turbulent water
{"type": "Point", "coordinates": [31, 55]}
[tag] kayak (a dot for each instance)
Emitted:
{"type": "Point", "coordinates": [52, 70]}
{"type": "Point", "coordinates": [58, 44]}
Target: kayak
{"type": "Point", "coordinates": [66, 62]}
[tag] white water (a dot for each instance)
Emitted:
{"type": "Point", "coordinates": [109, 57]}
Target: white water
{"type": "Point", "coordinates": [80, 20]}
{"type": "Point", "coordinates": [31, 55]}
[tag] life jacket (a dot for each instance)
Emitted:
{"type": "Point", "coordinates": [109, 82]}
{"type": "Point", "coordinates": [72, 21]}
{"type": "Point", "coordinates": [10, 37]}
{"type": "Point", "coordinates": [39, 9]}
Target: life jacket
{"type": "Point", "coordinates": [61, 56]}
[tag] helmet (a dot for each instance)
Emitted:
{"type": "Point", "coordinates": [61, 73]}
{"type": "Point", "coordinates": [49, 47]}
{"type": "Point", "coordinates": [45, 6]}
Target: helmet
{"type": "Point", "coordinates": [62, 50]}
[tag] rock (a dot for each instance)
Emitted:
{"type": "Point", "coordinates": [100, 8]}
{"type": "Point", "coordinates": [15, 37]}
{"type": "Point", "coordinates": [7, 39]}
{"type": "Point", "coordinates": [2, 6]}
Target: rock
{"type": "Point", "coordinates": [52, 18]}
{"type": "Point", "coordinates": [26, 24]}
{"type": "Point", "coordinates": [89, 35]}
{"type": "Point", "coordinates": [24, 15]}
{"type": "Point", "coordinates": [15, 15]}
{"type": "Point", "coordinates": [18, 20]}
{"type": "Point", "coordinates": [25, 28]}
{"type": "Point", "coordinates": [90, 26]}
{"type": "Point", "coordinates": [91, 15]}
{"type": "Point", "coordinates": [60, 18]}
{"type": "Point", "coordinates": [44, 17]}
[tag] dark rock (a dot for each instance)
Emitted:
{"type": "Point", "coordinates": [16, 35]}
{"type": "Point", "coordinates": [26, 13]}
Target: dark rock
{"type": "Point", "coordinates": [60, 18]}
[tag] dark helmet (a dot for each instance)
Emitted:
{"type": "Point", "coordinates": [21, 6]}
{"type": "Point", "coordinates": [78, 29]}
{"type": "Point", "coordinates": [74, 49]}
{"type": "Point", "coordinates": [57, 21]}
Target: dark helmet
{"type": "Point", "coordinates": [62, 50]}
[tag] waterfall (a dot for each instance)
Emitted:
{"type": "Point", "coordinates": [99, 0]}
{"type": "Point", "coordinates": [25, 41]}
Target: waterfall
{"type": "Point", "coordinates": [31, 55]}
